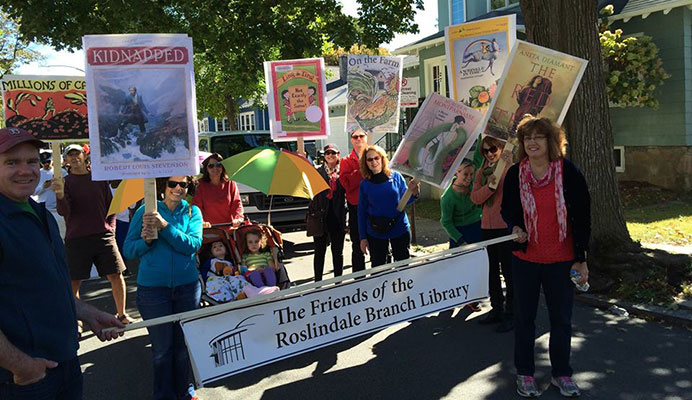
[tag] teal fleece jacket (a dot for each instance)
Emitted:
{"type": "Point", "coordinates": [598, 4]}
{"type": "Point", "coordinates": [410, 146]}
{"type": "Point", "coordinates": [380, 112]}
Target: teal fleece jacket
{"type": "Point", "coordinates": [168, 261]}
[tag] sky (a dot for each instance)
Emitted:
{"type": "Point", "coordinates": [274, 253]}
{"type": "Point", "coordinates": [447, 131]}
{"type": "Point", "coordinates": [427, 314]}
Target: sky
{"type": "Point", "coordinates": [66, 63]}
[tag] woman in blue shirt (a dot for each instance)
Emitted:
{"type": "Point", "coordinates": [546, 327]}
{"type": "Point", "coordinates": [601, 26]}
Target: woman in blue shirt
{"type": "Point", "coordinates": [167, 282]}
{"type": "Point", "coordinates": [380, 223]}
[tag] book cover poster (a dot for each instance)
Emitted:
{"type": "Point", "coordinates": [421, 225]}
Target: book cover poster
{"type": "Point", "coordinates": [143, 118]}
{"type": "Point", "coordinates": [477, 53]}
{"type": "Point", "coordinates": [373, 94]}
{"type": "Point", "coordinates": [437, 140]}
{"type": "Point", "coordinates": [49, 107]}
{"type": "Point", "coordinates": [297, 99]}
{"type": "Point", "coordinates": [537, 81]}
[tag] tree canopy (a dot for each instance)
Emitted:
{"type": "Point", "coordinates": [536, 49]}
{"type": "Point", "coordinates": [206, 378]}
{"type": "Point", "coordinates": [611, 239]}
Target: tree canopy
{"type": "Point", "coordinates": [231, 39]}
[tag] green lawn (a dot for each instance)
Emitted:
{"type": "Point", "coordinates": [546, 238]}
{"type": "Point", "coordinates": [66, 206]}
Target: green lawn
{"type": "Point", "coordinates": [668, 223]}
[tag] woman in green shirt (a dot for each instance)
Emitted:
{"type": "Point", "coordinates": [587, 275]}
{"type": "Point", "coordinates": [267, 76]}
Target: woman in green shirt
{"type": "Point", "coordinates": [461, 219]}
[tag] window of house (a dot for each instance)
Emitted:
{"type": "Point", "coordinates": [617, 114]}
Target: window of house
{"type": "Point", "coordinates": [436, 79]}
{"type": "Point", "coordinates": [619, 155]}
{"type": "Point", "coordinates": [495, 4]}
{"type": "Point", "coordinates": [246, 121]}
{"type": "Point", "coordinates": [222, 125]}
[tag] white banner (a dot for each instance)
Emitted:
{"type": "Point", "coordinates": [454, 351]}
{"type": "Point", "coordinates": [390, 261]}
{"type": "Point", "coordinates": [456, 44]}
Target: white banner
{"type": "Point", "coordinates": [410, 92]}
{"type": "Point", "coordinates": [248, 337]}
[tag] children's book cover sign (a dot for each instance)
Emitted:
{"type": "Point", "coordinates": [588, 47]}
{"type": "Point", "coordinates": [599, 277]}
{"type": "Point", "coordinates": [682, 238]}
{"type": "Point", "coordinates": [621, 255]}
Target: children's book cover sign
{"type": "Point", "coordinates": [142, 108]}
{"type": "Point", "coordinates": [437, 140]}
{"type": "Point", "coordinates": [477, 53]}
{"type": "Point", "coordinates": [49, 107]}
{"type": "Point", "coordinates": [297, 98]}
{"type": "Point", "coordinates": [373, 94]}
{"type": "Point", "coordinates": [537, 81]}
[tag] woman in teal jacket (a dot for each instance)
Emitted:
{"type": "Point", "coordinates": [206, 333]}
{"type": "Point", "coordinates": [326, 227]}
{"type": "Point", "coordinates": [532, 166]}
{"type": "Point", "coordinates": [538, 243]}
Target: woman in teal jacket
{"type": "Point", "coordinates": [167, 282]}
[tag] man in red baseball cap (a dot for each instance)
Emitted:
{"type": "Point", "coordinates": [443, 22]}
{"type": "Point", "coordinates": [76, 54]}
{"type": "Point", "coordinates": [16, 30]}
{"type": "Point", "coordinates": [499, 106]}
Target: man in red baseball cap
{"type": "Point", "coordinates": [38, 330]}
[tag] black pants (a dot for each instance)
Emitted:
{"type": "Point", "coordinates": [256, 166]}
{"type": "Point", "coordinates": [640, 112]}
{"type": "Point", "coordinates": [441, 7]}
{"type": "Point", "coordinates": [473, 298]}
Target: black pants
{"type": "Point", "coordinates": [333, 235]}
{"type": "Point", "coordinates": [357, 257]}
{"type": "Point", "coordinates": [379, 248]}
{"type": "Point", "coordinates": [559, 297]}
{"type": "Point", "coordinates": [499, 254]}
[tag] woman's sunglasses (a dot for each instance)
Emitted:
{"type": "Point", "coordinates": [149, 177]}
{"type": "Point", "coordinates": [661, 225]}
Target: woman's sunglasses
{"type": "Point", "coordinates": [214, 165]}
{"type": "Point", "coordinates": [371, 159]}
{"type": "Point", "coordinates": [173, 184]}
{"type": "Point", "coordinates": [329, 153]}
{"type": "Point", "coordinates": [489, 150]}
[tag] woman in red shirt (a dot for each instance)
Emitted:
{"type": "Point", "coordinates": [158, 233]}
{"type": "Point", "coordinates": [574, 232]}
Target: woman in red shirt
{"type": "Point", "coordinates": [546, 203]}
{"type": "Point", "coordinates": [216, 196]}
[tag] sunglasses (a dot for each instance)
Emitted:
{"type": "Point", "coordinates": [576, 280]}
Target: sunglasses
{"type": "Point", "coordinates": [330, 153]}
{"type": "Point", "coordinates": [214, 165]}
{"type": "Point", "coordinates": [173, 184]}
{"type": "Point", "coordinates": [357, 136]}
{"type": "Point", "coordinates": [371, 159]}
{"type": "Point", "coordinates": [489, 150]}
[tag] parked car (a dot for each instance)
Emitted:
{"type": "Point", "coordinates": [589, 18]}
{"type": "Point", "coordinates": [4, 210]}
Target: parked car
{"type": "Point", "coordinates": [285, 210]}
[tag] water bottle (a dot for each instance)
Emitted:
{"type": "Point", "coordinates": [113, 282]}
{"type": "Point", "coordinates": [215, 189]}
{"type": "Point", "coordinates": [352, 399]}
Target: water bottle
{"type": "Point", "coordinates": [575, 276]}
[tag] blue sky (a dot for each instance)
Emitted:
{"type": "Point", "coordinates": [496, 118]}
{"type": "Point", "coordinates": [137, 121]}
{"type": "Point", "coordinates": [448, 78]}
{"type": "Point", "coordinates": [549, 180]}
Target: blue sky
{"type": "Point", "coordinates": [66, 63]}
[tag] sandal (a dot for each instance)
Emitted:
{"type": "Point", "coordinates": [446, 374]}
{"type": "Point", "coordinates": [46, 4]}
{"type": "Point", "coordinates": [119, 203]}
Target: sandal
{"type": "Point", "coordinates": [125, 319]}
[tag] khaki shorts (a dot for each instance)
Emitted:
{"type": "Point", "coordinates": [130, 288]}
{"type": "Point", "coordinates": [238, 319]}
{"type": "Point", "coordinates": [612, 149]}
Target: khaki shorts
{"type": "Point", "coordinates": [100, 250]}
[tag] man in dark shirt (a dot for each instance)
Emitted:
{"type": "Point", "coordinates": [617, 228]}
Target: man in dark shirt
{"type": "Point", "coordinates": [90, 236]}
{"type": "Point", "coordinates": [38, 335]}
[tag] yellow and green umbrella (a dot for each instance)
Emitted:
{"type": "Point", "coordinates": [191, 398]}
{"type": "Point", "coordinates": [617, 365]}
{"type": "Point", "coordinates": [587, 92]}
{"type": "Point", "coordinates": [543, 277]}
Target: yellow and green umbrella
{"type": "Point", "coordinates": [129, 192]}
{"type": "Point", "coordinates": [275, 172]}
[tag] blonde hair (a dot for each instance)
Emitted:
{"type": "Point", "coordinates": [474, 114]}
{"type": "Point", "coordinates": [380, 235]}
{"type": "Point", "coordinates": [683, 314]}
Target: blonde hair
{"type": "Point", "coordinates": [555, 135]}
{"type": "Point", "coordinates": [365, 170]}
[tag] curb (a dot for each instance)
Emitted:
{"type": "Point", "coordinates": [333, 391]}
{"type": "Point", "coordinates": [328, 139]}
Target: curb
{"type": "Point", "coordinates": [678, 317]}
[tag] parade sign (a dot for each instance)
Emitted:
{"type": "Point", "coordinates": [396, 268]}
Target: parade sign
{"type": "Point", "coordinates": [244, 338]}
{"type": "Point", "coordinates": [437, 140]}
{"type": "Point", "coordinates": [296, 96]}
{"type": "Point", "coordinates": [477, 53]}
{"type": "Point", "coordinates": [373, 93]}
{"type": "Point", "coordinates": [142, 108]}
{"type": "Point", "coordinates": [410, 92]}
{"type": "Point", "coordinates": [537, 81]}
{"type": "Point", "coordinates": [49, 107]}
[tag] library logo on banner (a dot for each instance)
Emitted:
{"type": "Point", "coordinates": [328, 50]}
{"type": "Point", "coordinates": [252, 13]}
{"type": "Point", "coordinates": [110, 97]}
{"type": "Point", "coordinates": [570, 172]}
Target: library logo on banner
{"type": "Point", "coordinates": [227, 347]}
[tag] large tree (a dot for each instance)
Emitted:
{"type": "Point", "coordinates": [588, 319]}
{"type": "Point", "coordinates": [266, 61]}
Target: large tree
{"type": "Point", "coordinates": [231, 38]}
{"type": "Point", "coordinates": [571, 26]}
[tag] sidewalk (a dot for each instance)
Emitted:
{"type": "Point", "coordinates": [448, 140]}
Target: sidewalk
{"type": "Point", "coordinates": [430, 237]}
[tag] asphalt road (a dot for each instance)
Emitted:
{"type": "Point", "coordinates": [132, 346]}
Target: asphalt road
{"type": "Point", "coordinates": [441, 356]}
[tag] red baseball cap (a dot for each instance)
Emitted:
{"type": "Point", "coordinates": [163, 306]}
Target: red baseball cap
{"type": "Point", "coordinates": [10, 137]}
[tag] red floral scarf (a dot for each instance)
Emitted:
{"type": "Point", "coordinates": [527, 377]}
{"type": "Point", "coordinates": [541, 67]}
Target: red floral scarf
{"type": "Point", "coordinates": [526, 182]}
{"type": "Point", "coordinates": [333, 175]}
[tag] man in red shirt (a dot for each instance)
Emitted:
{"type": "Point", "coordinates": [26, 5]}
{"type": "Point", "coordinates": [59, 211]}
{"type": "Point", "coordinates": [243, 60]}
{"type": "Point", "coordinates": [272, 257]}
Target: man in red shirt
{"type": "Point", "coordinates": [350, 178]}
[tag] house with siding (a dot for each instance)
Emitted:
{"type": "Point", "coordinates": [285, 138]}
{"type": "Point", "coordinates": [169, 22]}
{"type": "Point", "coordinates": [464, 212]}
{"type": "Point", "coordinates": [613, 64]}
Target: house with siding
{"type": "Point", "coordinates": [654, 146]}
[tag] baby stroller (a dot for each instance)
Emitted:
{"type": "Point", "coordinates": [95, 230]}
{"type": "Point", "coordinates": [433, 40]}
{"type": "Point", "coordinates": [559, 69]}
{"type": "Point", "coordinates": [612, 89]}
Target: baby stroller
{"type": "Point", "coordinates": [275, 244]}
{"type": "Point", "coordinates": [209, 236]}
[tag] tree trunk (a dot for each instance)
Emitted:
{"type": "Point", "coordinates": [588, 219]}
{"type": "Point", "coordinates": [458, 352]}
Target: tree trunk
{"type": "Point", "coordinates": [231, 112]}
{"type": "Point", "coordinates": [571, 26]}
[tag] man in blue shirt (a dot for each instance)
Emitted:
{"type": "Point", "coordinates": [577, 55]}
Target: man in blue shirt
{"type": "Point", "coordinates": [38, 333]}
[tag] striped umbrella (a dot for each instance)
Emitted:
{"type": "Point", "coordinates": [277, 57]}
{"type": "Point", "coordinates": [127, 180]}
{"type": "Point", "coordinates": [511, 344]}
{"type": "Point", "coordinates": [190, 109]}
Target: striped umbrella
{"type": "Point", "coordinates": [129, 192]}
{"type": "Point", "coordinates": [275, 172]}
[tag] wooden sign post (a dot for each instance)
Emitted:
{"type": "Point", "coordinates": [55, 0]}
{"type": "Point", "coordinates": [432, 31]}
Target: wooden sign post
{"type": "Point", "coordinates": [57, 159]}
{"type": "Point", "coordinates": [150, 199]}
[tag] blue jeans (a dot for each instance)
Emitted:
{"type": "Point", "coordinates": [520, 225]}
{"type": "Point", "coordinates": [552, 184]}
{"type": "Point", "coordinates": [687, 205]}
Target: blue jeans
{"type": "Point", "coordinates": [470, 233]}
{"type": "Point", "coordinates": [559, 297]}
{"type": "Point", "coordinates": [171, 361]}
{"type": "Point", "coordinates": [63, 382]}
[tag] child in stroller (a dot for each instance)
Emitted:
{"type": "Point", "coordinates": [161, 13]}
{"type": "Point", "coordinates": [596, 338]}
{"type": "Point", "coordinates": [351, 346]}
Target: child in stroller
{"type": "Point", "coordinates": [223, 280]}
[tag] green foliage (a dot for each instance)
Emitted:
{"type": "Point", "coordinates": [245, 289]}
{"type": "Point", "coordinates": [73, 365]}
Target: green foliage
{"type": "Point", "coordinates": [632, 68]}
{"type": "Point", "coordinates": [14, 50]}
{"type": "Point", "coordinates": [332, 53]}
{"type": "Point", "coordinates": [231, 38]}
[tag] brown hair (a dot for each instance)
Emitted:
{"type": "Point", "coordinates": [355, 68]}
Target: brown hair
{"type": "Point", "coordinates": [205, 171]}
{"type": "Point", "coordinates": [260, 234]}
{"type": "Point", "coordinates": [557, 139]}
{"type": "Point", "coordinates": [365, 170]}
